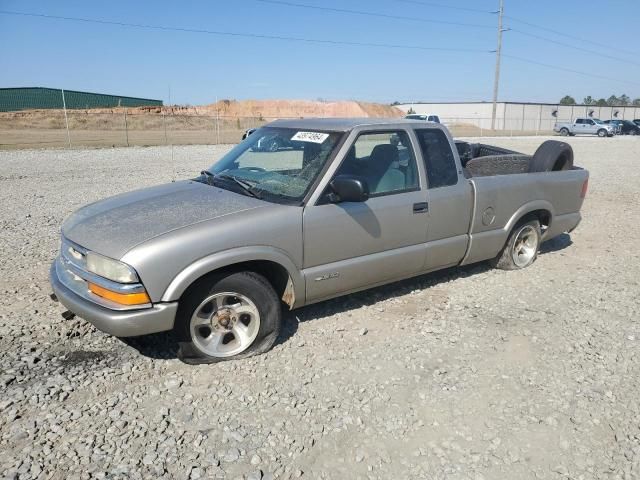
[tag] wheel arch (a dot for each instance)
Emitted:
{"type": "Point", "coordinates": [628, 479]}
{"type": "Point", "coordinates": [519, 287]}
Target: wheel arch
{"type": "Point", "coordinates": [488, 244]}
{"type": "Point", "coordinates": [541, 209]}
{"type": "Point", "coordinates": [279, 270]}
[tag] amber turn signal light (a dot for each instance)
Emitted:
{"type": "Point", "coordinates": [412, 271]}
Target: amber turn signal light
{"type": "Point", "coordinates": [121, 298]}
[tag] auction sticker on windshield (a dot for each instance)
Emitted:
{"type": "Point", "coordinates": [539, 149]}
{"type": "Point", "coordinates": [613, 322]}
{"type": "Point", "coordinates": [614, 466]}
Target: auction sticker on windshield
{"type": "Point", "coordinates": [313, 137]}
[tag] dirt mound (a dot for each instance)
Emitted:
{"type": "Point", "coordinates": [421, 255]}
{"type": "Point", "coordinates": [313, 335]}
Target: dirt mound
{"type": "Point", "coordinates": [300, 108]}
{"type": "Point", "coordinates": [267, 109]}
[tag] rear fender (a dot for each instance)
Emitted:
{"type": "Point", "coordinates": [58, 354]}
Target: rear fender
{"type": "Point", "coordinates": [485, 245]}
{"type": "Point", "coordinates": [528, 208]}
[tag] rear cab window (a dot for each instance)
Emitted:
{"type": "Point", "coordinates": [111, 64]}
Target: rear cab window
{"type": "Point", "coordinates": [438, 158]}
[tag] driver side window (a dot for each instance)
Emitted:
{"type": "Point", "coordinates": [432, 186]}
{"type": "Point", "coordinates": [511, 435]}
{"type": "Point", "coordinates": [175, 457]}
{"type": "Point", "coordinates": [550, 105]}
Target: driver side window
{"type": "Point", "coordinates": [385, 160]}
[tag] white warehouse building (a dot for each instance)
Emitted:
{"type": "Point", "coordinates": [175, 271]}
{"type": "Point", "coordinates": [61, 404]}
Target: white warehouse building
{"type": "Point", "coordinates": [517, 116]}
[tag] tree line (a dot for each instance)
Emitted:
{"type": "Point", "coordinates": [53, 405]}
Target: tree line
{"type": "Point", "coordinates": [613, 101]}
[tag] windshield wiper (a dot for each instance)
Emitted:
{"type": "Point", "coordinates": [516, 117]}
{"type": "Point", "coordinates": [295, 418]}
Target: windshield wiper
{"type": "Point", "coordinates": [246, 186]}
{"type": "Point", "coordinates": [208, 174]}
{"type": "Point", "coordinates": [243, 184]}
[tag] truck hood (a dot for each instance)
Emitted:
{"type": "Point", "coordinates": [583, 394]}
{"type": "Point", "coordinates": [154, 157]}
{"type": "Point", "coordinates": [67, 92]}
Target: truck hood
{"type": "Point", "coordinates": [115, 225]}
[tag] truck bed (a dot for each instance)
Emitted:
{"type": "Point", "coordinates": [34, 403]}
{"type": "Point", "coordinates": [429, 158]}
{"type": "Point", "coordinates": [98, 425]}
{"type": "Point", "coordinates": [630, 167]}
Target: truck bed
{"type": "Point", "coordinates": [481, 160]}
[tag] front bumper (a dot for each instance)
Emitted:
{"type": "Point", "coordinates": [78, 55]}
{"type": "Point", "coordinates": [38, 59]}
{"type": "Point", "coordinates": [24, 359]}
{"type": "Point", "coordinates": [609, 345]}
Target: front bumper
{"type": "Point", "coordinates": [120, 323]}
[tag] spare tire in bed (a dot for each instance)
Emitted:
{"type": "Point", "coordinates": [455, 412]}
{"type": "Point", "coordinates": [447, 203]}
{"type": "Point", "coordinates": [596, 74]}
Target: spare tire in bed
{"type": "Point", "coordinates": [552, 156]}
{"type": "Point", "coordinates": [498, 165]}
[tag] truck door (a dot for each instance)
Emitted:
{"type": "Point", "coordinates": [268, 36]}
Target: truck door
{"type": "Point", "coordinates": [591, 126]}
{"type": "Point", "coordinates": [579, 126]}
{"type": "Point", "coordinates": [450, 200]}
{"type": "Point", "coordinates": [353, 245]}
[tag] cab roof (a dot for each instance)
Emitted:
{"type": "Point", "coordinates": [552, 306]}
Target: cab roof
{"type": "Point", "coordinates": [341, 124]}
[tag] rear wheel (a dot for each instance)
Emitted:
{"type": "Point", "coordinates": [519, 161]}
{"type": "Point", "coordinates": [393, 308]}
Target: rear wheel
{"type": "Point", "coordinates": [602, 133]}
{"type": "Point", "coordinates": [227, 317]}
{"type": "Point", "coordinates": [564, 132]}
{"type": "Point", "coordinates": [521, 249]}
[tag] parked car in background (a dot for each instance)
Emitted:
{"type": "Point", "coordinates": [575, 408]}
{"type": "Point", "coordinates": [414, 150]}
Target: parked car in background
{"type": "Point", "coordinates": [624, 127]}
{"type": "Point", "coordinates": [637, 121]}
{"type": "Point", "coordinates": [216, 257]}
{"type": "Point", "coordinates": [248, 132]}
{"type": "Point", "coordinates": [427, 118]}
{"type": "Point", "coordinates": [585, 126]}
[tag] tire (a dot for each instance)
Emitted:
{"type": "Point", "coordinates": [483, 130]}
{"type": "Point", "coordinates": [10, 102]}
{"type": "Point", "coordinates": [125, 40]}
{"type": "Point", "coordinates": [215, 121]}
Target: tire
{"type": "Point", "coordinates": [602, 133]}
{"type": "Point", "coordinates": [506, 259]}
{"type": "Point", "coordinates": [552, 156]}
{"type": "Point", "coordinates": [250, 323]}
{"type": "Point", "coordinates": [564, 132]}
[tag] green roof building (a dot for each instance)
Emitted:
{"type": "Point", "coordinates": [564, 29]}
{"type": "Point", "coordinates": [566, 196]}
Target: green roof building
{"type": "Point", "coordinates": [13, 99]}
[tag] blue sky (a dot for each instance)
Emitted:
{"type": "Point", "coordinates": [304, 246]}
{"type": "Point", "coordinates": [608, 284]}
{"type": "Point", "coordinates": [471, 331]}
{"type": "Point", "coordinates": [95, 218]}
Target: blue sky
{"type": "Point", "coordinates": [198, 67]}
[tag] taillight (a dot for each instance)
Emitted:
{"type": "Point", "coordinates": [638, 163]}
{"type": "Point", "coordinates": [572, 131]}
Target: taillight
{"type": "Point", "coordinates": [585, 186]}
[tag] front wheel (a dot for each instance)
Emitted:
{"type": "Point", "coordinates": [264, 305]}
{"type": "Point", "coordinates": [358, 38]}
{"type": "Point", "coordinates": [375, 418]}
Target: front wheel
{"type": "Point", "coordinates": [603, 133]}
{"type": "Point", "coordinates": [227, 317]}
{"type": "Point", "coordinates": [521, 249]}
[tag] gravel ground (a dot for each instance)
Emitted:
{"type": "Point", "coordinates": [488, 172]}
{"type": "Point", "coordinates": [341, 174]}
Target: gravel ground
{"type": "Point", "coordinates": [470, 373]}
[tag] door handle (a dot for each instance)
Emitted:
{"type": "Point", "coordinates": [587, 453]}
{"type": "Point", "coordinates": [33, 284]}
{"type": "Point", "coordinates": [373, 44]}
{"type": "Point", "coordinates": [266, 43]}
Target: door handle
{"type": "Point", "coordinates": [421, 207]}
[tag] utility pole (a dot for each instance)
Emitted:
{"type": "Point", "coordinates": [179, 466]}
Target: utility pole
{"type": "Point", "coordinates": [496, 81]}
{"type": "Point", "coordinates": [66, 119]}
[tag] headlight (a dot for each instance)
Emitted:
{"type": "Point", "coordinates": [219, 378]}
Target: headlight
{"type": "Point", "coordinates": [110, 268]}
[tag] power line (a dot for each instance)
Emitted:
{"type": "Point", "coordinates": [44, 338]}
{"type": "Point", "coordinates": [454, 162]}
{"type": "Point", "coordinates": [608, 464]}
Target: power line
{"type": "Point", "coordinates": [373, 14]}
{"type": "Point", "coordinates": [418, 19]}
{"type": "Point", "coordinates": [537, 26]}
{"type": "Point", "coordinates": [530, 24]}
{"type": "Point", "coordinates": [566, 35]}
{"type": "Point", "coordinates": [593, 52]}
{"type": "Point", "coordinates": [239, 34]}
{"type": "Point", "coordinates": [556, 67]}
{"type": "Point", "coordinates": [441, 5]}
{"type": "Point", "coordinates": [297, 39]}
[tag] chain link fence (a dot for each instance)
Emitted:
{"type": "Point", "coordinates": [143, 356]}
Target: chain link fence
{"type": "Point", "coordinates": [121, 127]}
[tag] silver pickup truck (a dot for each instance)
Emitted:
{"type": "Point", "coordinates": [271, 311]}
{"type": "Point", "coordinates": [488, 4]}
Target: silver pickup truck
{"type": "Point", "coordinates": [362, 203]}
{"type": "Point", "coordinates": [585, 126]}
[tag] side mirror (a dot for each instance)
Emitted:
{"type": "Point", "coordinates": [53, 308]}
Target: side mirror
{"type": "Point", "coordinates": [348, 188]}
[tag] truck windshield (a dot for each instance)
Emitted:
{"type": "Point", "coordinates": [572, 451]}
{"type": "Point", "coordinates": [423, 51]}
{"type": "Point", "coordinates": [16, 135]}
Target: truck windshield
{"type": "Point", "coordinates": [598, 121]}
{"type": "Point", "coordinates": [280, 164]}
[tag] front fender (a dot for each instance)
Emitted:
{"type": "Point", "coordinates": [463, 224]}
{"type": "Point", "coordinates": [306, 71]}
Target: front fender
{"type": "Point", "coordinates": [230, 257]}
